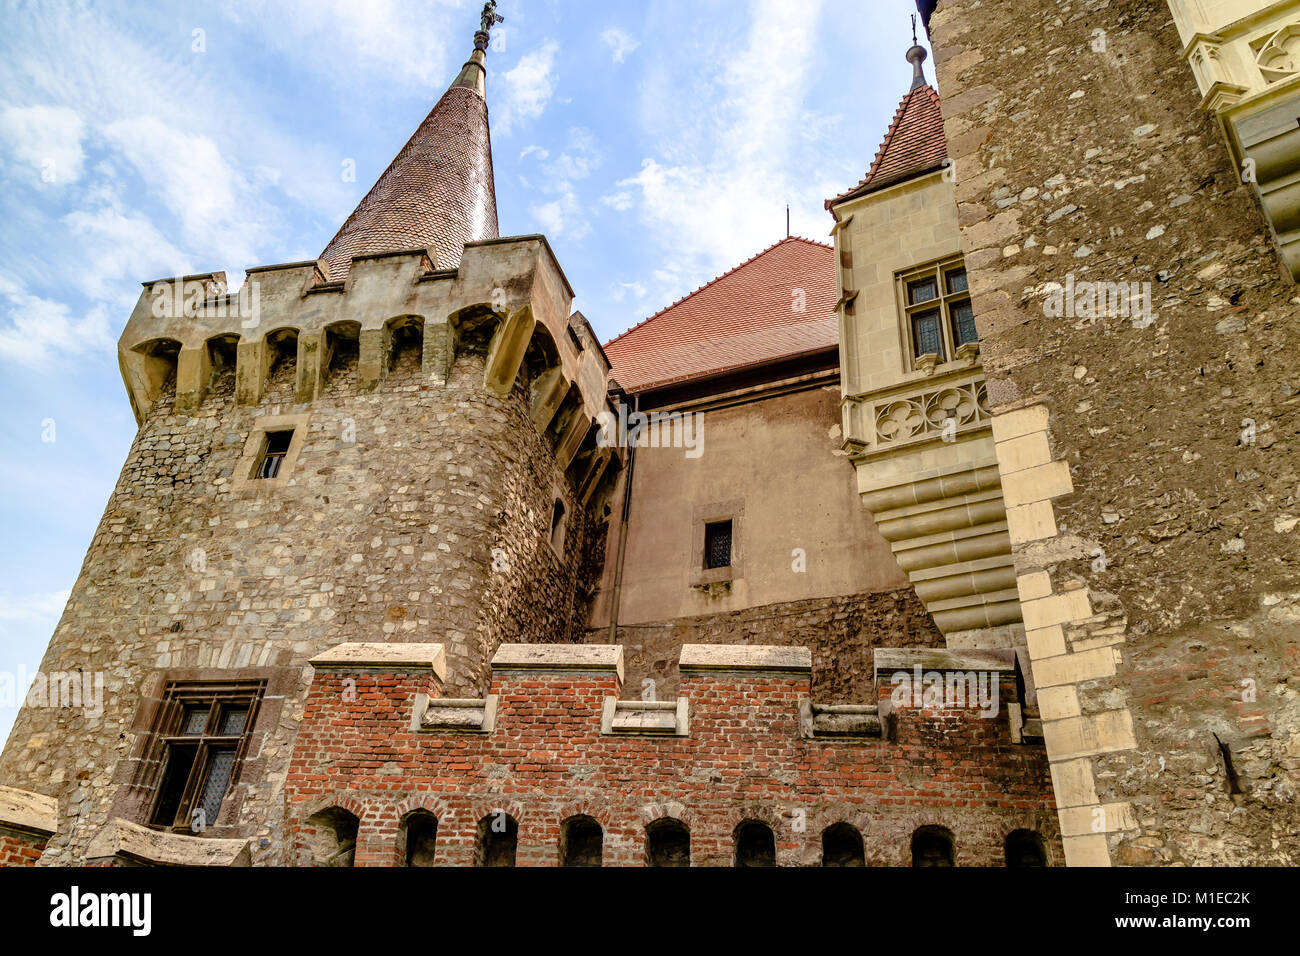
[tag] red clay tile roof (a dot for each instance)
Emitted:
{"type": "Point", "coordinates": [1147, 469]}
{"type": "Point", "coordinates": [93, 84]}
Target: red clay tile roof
{"type": "Point", "coordinates": [437, 193]}
{"type": "Point", "coordinates": [915, 144]}
{"type": "Point", "coordinates": [743, 317]}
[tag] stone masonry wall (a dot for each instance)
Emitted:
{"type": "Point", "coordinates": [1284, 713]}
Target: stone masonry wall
{"type": "Point", "coordinates": [386, 538]}
{"type": "Point", "coordinates": [547, 760]}
{"type": "Point", "coordinates": [841, 632]}
{"type": "Point", "coordinates": [1150, 469]}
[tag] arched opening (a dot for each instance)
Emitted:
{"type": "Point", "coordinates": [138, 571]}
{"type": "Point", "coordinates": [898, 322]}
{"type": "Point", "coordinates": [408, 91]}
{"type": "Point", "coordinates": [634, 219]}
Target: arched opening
{"type": "Point", "coordinates": [419, 836]}
{"type": "Point", "coordinates": [842, 846]}
{"type": "Point", "coordinates": [559, 519]}
{"type": "Point", "coordinates": [755, 844]}
{"type": "Point", "coordinates": [581, 842]}
{"type": "Point", "coordinates": [932, 846]}
{"type": "Point", "coordinates": [342, 356]}
{"type": "Point", "coordinates": [498, 840]}
{"type": "Point", "coordinates": [281, 365]}
{"type": "Point", "coordinates": [1025, 848]}
{"type": "Point", "coordinates": [158, 368]}
{"type": "Point", "coordinates": [667, 843]}
{"type": "Point", "coordinates": [223, 358]}
{"type": "Point", "coordinates": [406, 350]}
{"type": "Point", "coordinates": [331, 837]}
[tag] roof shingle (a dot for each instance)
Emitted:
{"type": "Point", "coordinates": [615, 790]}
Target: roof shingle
{"type": "Point", "coordinates": [744, 317]}
{"type": "Point", "coordinates": [437, 193]}
{"type": "Point", "coordinates": [915, 144]}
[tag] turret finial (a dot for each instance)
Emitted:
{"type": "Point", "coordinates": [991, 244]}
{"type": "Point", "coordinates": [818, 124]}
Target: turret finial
{"type": "Point", "coordinates": [916, 56]}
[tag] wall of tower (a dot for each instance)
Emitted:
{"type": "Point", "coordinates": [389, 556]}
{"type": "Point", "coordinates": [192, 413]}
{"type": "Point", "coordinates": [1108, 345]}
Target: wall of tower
{"type": "Point", "coordinates": [417, 506]}
{"type": "Point", "coordinates": [1147, 457]}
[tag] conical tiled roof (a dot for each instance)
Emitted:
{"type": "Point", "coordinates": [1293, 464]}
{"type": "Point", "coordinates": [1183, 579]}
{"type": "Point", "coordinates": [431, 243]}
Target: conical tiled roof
{"type": "Point", "coordinates": [915, 144]}
{"type": "Point", "coordinates": [779, 304]}
{"type": "Point", "coordinates": [438, 193]}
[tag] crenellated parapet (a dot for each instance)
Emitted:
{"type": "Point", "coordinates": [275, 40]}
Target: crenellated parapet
{"type": "Point", "coordinates": [508, 296]}
{"type": "Point", "coordinates": [743, 741]}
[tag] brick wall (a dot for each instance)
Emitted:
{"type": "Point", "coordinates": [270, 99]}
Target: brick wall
{"type": "Point", "coordinates": [20, 848]}
{"type": "Point", "coordinates": [743, 758]}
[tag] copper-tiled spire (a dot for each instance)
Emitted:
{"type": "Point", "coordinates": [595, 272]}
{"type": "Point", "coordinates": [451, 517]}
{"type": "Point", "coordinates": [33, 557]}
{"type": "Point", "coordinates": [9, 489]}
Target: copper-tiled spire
{"type": "Point", "coordinates": [438, 192]}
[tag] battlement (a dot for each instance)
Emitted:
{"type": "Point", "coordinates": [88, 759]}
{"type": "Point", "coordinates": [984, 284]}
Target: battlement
{"type": "Point", "coordinates": [553, 740]}
{"type": "Point", "coordinates": [508, 296]}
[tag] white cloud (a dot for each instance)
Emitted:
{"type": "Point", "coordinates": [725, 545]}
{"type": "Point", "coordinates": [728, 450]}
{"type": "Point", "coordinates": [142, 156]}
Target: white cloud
{"type": "Point", "coordinates": [214, 200]}
{"type": "Point", "coordinates": [537, 151]}
{"type": "Point", "coordinates": [717, 192]}
{"type": "Point", "coordinates": [618, 291]}
{"type": "Point", "coordinates": [47, 138]}
{"type": "Point", "coordinates": [527, 88]}
{"type": "Point", "coordinates": [119, 251]}
{"type": "Point", "coordinates": [35, 329]}
{"type": "Point", "coordinates": [393, 41]}
{"type": "Point", "coordinates": [33, 608]}
{"type": "Point", "coordinates": [619, 43]}
{"type": "Point", "coordinates": [562, 218]}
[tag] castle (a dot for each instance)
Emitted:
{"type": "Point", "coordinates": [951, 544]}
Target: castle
{"type": "Point", "coordinates": [940, 544]}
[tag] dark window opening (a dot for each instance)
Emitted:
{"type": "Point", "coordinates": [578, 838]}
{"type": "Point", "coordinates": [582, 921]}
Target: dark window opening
{"type": "Point", "coordinates": [1025, 848]}
{"type": "Point", "coordinates": [332, 837]}
{"type": "Point", "coordinates": [842, 846]}
{"type": "Point", "coordinates": [277, 446]}
{"type": "Point", "coordinates": [717, 545]}
{"type": "Point", "coordinates": [755, 844]}
{"type": "Point", "coordinates": [498, 840]}
{"type": "Point", "coordinates": [963, 324]}
{"type": "Point", "coordinates": [928, 338]}
{"type": "Point", "coordinates": [932, 846]}
{"type": "Point", "coordinates": [956, 280]}
{"type": "Point", "coordinates": [581, 842]}
{"type": "Point", "coordinates": [557, 525]}
{"type": "Point", "coordinates": [420, 829]}
{"type": "Point", "coordinates": [203, 730]}
{"type": "Point", "coordinates": [668, 843]}
{"type": "Point", "coordinates": [922, 290]}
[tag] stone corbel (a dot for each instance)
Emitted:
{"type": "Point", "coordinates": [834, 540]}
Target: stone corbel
{"type": "Point", "coordinates": [506, 353]}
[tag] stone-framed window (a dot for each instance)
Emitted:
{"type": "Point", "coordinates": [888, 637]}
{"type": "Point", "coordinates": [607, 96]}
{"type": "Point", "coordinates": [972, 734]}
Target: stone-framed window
{"type": "Point", "coordinates": [938, 322]}
{"type": "Point", "coordinates": [716, 543]}
{"type": "Point", "coordinates": [271, 452]}
{"type": "Point", "coordinates": [168, 733]}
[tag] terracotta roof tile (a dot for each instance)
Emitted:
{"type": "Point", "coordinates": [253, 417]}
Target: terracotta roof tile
{"type": "Point", "coordinates": [743, 317]}
{"type": "Point", "coordinates": [915, 144]}
{"type": "Point", "coordinates": [437, 193]}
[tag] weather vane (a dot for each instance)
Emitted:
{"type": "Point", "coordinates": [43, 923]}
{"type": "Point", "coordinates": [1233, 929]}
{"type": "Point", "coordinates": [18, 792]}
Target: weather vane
{"type": "Point", "coordinates": [490, 15]}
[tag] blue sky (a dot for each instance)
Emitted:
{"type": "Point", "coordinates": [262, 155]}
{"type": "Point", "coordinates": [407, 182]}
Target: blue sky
{"type": "Point", "coordinates": [655, 143]}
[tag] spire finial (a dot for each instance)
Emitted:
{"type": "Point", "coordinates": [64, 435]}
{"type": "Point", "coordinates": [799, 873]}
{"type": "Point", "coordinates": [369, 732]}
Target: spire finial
{"type": "Point", "coordinates": [916, 56]}
{"type": "Point", "coordinates": [488, 20]}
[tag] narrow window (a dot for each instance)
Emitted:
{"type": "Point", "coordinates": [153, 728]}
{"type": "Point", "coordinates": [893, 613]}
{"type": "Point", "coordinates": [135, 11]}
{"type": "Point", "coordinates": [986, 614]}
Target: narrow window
{"type": "Point", "coordinates": [277, 446]}
{"type": "Point", "coordinates": [755, 844]}
{"type": "Point", "coordinates": [1025, 848]}
{"type": "Point", "coordinates": [203, 729]}
{"type": "Point", "coordinates": [926, 334]}
{"type": "Point", "coordinates": [557, 526]}
{"type": "Point", "coordinates": [922, 290]}
{"type": "Point", "coordinates": [420, 828]}
{"type": "Point", "coordinates": [717, 545]}
{"type": "Point", "coordinates": [581, 842]}
{"type": "Point", "coordinates": [932, 846]}
{"type": "Point", "coordinates": [498, 840]}
{"type": "Point", "coordinates": [842, 846]}
{"type": "Point", "coordinates": [963, 323]}
{"type": "Point", "coordinates": [668, 843]}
